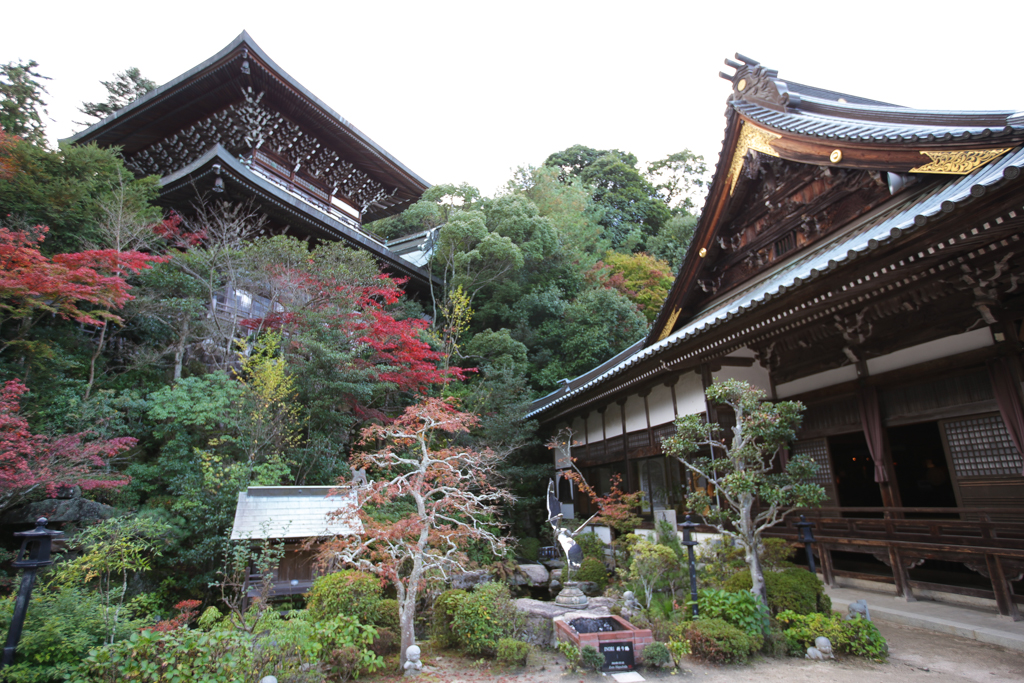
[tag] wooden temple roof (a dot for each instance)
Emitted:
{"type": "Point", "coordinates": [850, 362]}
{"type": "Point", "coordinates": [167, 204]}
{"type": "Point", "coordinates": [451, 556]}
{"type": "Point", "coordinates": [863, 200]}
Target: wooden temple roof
{"type": "Point", "coordinates": [304, 219]}
{"type": "Point", "coordinates": [180, 118]}
{"type": "Point", "coordinates": [782, 169]}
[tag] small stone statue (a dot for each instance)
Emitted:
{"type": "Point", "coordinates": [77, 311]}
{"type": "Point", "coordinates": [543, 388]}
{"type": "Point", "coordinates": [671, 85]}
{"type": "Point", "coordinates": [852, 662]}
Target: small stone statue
{"type": "Point", "coordinates": [413, 665]}
{"type": "Point", "coordinates": [359, 477]}
{"type": "Point", "coordinates": [822, 649]}
{"type": "Point", "coordinates": [858, 609]}
{"type": "Point", "coordinates": [631, 606]}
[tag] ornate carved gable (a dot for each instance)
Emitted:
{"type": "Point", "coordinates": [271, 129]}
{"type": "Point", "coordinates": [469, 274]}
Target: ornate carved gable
{"type": "Point", "coordinates": [250, 125]}
{"type": "Point", "coordinates": [779, 208]}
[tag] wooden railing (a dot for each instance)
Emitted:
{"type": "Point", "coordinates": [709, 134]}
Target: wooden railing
{"type": "Point", "coordinates": [989, 541]}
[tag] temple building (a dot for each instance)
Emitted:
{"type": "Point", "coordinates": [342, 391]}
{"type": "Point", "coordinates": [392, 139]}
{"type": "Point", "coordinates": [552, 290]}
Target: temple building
{"type": "Point", "coordinates": [238, 127]}
{"type": "Point", "coordinates": [866, 259]}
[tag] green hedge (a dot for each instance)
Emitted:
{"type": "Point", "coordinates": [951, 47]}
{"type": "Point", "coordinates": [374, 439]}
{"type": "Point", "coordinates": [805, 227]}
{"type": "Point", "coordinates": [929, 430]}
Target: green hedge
{"type": "Point", "coordinates": [792, 589]}
{"type": "Point", "coordinates": [346, 593]}
{"type": "Point", "coordinates": [856, 636]}
{"type": "Point", "coordinates": [719, 642]}
{"type": "Point", "coordinates": [593, 570]}
{"type": "Point", "coordinates": [444, 612]}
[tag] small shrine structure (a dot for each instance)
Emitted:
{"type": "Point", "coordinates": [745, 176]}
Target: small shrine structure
{"type": "Point", "coordinates": [293, 516]}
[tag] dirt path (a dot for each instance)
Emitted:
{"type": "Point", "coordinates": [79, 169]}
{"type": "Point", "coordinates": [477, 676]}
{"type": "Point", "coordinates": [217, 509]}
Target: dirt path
{"type": "Point", "coordinates": [916, 656]}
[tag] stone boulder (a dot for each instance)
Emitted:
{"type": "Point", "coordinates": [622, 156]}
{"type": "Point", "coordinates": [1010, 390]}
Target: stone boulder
{"type": "Point", "coordinates": [531, 575]}
{"type": "Point", "coordinates": [58, 511]}
{"type": "Point", "coordinates": [467, 580]}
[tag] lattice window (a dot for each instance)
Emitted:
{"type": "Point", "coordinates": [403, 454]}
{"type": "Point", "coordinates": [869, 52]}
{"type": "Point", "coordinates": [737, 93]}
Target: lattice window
{"type": "Point", "coordinates": [981, 447]}
{"type": "Point", "coordinates": [818, 450]}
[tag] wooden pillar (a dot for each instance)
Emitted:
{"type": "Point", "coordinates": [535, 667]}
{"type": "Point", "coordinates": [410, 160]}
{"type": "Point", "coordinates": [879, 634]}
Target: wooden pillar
{"type": "Point", "coordinates": [1002, 588]}
{"type": "Point", "coordinates": [625, 444]}
{"type": "Point", "coordinates": [825, 555]}
{"type": "Point", "coordinates": [671, 384]}
{"type": "Point", "coordinates": [900, 575]}
{"type": "Point", "coordinates": [889, 489]}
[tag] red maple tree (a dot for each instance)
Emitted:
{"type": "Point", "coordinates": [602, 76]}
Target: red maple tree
{"type": "Point", "coordinates": [33, 285]}
{"type": "Point", "coordinates": [385, 349]}
{"type": "Point", "coordinates": [455, 504]}
{"type": "Point", "coordinates": [29, 462]}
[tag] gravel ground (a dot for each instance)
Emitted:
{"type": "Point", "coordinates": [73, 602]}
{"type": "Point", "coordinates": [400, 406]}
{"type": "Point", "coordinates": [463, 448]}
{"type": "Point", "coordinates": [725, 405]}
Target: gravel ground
{"type": "Point", "coordinates": [915, 655]}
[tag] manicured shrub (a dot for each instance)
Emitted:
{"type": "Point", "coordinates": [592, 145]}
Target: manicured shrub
{"type": "Point", "coordinates": [793, 589]}
{"type": "Point", "coordinates": [345, 593]}
{"type": "Point", "coordinates": [742, 609]}
{"type": "Point", "coordinates": [485, 616]}
{"type": "Point", "coordinates": [386, 642]}
{"type": "Point", "coordinates": [857, 636]}
{"type": "Point", "coordinates": [444, 611]}
{"type": "Point", "coordinates": [591, 545]}
{"type": "Point", "coordinates": [590, 658]}
{"type": "Point", "coordinates": [655, 654]}
{"type": "Point", "coordinates": [719, 642]}
{"type": "Point", "coordinates": [387, 616]}
{"type": "Point", "coordinates": [512, 651]}
{"type": "Point", "coordinates": [529, 549]}
{"type": "Point", "coordinates": [593, 570]}
{"type": "Point", "coordinates": [775, 644]}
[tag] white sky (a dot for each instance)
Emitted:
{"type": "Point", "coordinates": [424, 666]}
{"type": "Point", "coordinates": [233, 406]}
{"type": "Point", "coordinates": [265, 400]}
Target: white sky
{"type": "Point", "coordinates": [467, 91]}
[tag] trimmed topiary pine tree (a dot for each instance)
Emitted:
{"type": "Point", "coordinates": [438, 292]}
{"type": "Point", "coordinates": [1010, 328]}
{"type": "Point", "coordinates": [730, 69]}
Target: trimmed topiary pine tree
{"type": "Point", "coordinates": [743, 472]}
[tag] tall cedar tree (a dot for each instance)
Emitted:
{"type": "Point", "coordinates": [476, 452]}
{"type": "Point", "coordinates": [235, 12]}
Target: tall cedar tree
{"type": "Point", "coordinates": [449, 489]}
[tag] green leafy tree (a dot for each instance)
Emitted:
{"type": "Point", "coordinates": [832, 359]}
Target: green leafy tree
{"type": "Point", "coordinates": [643, 279]}
{"type": "Point", "coordinates": [650, 563]}
{"type": "Point", "coordinates": [671, 244]}
{"type": "Point", "coordinates": [592, 329]}
{"type": "Point", "coordinates": [21, 101]}
{"type": "Point", "coordinates": [679, 179]}
{"type": "Point", "coordinates": [70, 190]}
{"type": "Point", "coordinates": [742, 470]}
{"type": "Point", "coordinates": [126, 87]}
{"type": "Point", "coordinates": [112, 552]}
{"type": "Point", "coordinates": [633, 210]}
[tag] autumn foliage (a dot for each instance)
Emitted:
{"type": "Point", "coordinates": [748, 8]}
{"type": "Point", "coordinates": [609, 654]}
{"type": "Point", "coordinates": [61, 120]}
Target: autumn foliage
{"type": "Point", "coordinates": [454, 503]}
{"type": "Point", "coordinates": [29, 462]}
{"type": "Point", "coordinates": [385, 349]}
{"type": "Point", "coordinates": [80, 286]}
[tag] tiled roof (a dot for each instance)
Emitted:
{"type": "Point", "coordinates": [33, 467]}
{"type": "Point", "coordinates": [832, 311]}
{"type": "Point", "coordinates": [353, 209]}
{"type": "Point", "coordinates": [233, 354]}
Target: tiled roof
{"type": "Point", "coordinates": [848, 245]}
{"type": "Point", "coordinates": [881, 124]}
{"type": "Point", "coordinates": [293, 512]}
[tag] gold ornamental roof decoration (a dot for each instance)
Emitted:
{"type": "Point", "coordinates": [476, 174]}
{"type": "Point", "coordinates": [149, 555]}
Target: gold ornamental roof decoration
{"type": "Point", "coordinates": [751, 137]}
{"type": "Point", "coordinates": [959, 162]}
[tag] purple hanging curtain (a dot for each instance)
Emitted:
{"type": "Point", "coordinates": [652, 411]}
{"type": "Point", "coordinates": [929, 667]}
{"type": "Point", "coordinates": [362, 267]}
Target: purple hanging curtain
{"type": "Point", "coordinates": [871, 422]}
{"type": "Point", "coordinates": [1000, 373]}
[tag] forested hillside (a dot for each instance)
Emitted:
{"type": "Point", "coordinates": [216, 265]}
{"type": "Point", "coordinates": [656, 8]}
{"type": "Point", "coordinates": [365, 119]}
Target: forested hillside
{"type": "Point", "coordinates": [568, 266]}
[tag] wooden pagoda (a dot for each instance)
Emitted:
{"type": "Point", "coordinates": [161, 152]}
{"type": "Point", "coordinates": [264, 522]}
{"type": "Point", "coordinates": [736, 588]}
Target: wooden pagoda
{"type": "Point", "coordinates": [866, 259]}
{"type": "Point", "coordinates": [239, 127]}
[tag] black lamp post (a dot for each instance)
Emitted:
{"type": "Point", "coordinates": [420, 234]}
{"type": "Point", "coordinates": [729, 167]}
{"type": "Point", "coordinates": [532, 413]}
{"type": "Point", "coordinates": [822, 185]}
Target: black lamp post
{"type": "Point", "coordinates": [688, 527]}
{"type": "Point", "coordinates": [34, 554]}
{"type": "Point", "coordinates": [806, 536]}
